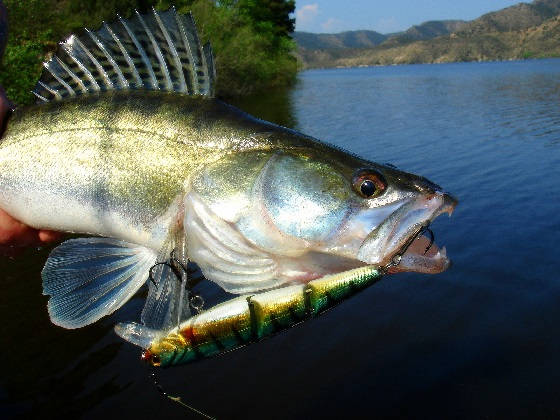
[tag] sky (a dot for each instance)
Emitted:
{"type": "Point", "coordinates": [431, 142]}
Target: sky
{"type": "Point", "coordinates": [386, 16]}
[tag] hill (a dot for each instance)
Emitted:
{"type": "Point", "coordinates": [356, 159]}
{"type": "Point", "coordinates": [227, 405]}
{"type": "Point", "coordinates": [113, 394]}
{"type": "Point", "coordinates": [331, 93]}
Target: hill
{"type": "Point", "coordinates": [514, 18]}
{"type": "Point", "coordinates": [350, 39]}
{"type": "Point", "coordinates": [427, 30]}
{"type": "Point", "coordinates": [524, 30]}
{"type": "Point", "coordinates": [534, 42]}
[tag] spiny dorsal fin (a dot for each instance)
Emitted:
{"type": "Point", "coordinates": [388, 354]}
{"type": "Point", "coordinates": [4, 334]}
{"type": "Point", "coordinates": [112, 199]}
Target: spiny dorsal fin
{"type": "Point", "coordinates": [154, 51]}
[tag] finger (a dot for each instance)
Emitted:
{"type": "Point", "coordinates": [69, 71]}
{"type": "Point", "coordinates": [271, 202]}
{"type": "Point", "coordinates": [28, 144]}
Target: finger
{"type": "Point", "coordinates": [15, 233]}
{"type": "Point", "coordinates": [48, 236]}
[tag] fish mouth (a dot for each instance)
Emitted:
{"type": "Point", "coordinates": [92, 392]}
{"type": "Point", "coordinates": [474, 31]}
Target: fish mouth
{"type": "Point", "coordinates": [400, 242]}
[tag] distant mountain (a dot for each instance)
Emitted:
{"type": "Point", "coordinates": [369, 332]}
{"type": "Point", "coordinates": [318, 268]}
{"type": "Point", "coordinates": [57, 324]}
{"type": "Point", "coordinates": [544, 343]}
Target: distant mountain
{"type": "Point", "coordinates": [319, 50]}
{"type": "Point", "coordinates": [520, 31]}
{"type": "Point", "coordinates": [514, 18]}
{"type": "Point", "coordinates": [534, 42]}
{"type": "Point", "coordinates": [427, 30]}
{"type": "Point", "coordinates": [350, 39]}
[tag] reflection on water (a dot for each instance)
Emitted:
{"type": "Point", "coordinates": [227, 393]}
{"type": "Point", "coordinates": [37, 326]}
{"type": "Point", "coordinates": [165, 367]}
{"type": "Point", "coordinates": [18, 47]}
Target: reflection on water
{"type": "Point", "coordinates": [477, 341]}
{"type": "Point", "coordinates": [274, 105]}
{"type": "Point", "coordinates": [41, 362]}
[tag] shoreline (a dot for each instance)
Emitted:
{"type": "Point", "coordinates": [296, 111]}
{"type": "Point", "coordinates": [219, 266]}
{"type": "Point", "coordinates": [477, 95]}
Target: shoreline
{"type": "Point", "coordinates": [429, 63]}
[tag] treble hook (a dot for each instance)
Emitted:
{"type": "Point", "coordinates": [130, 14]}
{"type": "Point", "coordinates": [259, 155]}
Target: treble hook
{"type": "Point", "coordinates": [396, 259]}
{"type": "Point", "coordinates": [427, 229]}
{"type": "Point", "coordinates": [174, 263]}
{"type": "Point", "coordinates": [196, 301]}
{"type": "Point", "coordinates": [151, 276]}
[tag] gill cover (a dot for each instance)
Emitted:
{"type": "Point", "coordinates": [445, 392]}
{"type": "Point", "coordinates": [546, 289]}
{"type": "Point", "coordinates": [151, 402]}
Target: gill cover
{"type": "Point", "coordinates": [249, 213]}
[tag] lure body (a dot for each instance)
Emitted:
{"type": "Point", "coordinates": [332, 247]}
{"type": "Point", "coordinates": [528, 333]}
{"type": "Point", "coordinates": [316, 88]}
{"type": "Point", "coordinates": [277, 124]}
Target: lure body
{"type": "Point", "coordinates": [247, 319]}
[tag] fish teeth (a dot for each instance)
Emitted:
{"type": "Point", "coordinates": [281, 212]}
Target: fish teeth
{"type": "Point", "coordinates": [441, 254]}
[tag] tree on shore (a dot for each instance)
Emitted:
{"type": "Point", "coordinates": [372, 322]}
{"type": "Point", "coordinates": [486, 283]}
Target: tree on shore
{"type": "Point", "coordinates": [251, 38]}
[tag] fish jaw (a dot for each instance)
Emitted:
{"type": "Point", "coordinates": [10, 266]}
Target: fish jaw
{"type": "Point", "coordinates": [393, 237]}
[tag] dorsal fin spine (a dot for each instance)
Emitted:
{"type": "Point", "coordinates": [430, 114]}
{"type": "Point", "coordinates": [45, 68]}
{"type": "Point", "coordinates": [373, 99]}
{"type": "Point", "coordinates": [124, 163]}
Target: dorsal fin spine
{"type": "Point", "coordinates": [96, 63]}
{"type": "Point", "coordinates": [122, 80]}
{"type": "Point", "coordinates": [62, 82]}
{"type": "Point", "coordinates": [39, 96]}
{"type": "Point", "coordinates": [152, 51]}
{"type": "Point", "coordinates": [207, 49]}
{"type": "Point", "coordinates": [142, 54]}
{"type": "Point", "coordinates": [159, 55]}
{"type": "Point", "coordinates": [125, 55]}
{"type": "Point", "coordinates": [81, 65]}
{"type": "Point", "coordinates": [71, 73]}
{"type": "Point", "coordinates": [51, 90]}
{"type": "Point", "coordinates": [203, 64]}
{"type": "Point", "coordinates": [182, 30]}
{"type": "Point", "coordinates": [182, 84]}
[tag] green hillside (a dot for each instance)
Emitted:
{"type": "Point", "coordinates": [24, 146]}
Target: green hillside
{"type": "Point", "coordinates": [426, 30]}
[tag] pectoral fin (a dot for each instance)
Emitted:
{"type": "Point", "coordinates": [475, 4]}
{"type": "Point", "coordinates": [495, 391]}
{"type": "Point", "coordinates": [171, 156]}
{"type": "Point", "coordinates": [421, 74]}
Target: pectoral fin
{"type": "Point", "coordinates": [88, 278]}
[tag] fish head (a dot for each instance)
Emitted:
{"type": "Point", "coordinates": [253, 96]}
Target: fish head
{"type": "Point", "coordinates": [315, 211]}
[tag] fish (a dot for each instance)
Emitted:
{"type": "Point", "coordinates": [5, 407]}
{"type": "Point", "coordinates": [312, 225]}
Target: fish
{"type": "Point", "coordinates": [128, 145]}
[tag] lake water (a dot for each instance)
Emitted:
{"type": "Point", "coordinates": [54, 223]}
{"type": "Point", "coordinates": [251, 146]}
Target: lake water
{"type": "Point", "coordinates": [478, 341]}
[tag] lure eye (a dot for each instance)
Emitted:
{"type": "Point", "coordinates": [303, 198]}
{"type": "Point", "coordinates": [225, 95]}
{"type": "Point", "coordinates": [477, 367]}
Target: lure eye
{"type": "Point", "coordinates": [369, 184]}
{"type": "Point", "coordinates": [153, 359]}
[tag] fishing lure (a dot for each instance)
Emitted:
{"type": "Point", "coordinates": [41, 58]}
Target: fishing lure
{"type": "Point", "coordinates": [246, 319]}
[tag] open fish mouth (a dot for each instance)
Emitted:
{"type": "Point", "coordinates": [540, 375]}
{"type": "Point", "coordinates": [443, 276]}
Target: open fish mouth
{"type": "Point", "coordinates": [398, 243]}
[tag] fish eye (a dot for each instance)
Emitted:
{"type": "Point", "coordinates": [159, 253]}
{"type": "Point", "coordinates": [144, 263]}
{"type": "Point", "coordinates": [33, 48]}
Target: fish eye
{"type": "Point", "coordinates": [367, 188]}
{"type": "Point", "coordinates": [369, 184]}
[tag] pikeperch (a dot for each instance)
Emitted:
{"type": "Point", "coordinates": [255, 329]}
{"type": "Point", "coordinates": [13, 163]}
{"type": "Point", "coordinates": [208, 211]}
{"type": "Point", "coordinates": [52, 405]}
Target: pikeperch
{"type": "Point", "coordinates": [127, 143]}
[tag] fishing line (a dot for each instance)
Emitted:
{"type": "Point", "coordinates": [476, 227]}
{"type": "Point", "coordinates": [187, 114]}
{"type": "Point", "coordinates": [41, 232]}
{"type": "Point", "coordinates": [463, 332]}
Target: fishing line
{"type": "Point", "coordinates": [196, 302]}
{"type": "Point", "coordinates": [177, 399]}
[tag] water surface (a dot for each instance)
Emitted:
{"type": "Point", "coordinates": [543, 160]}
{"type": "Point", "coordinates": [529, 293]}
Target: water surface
{"type": "Point", "coordinates": [478, 341]}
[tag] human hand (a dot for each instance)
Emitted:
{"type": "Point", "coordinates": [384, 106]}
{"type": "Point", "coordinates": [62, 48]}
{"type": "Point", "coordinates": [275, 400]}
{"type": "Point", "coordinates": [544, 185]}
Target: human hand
{"type": "Point", "coordinates": [13, 233]}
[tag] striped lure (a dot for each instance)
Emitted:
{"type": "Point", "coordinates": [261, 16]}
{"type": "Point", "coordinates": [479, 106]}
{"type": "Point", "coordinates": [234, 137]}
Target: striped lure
{"type": "Point", "coordinates": [246, 319]}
